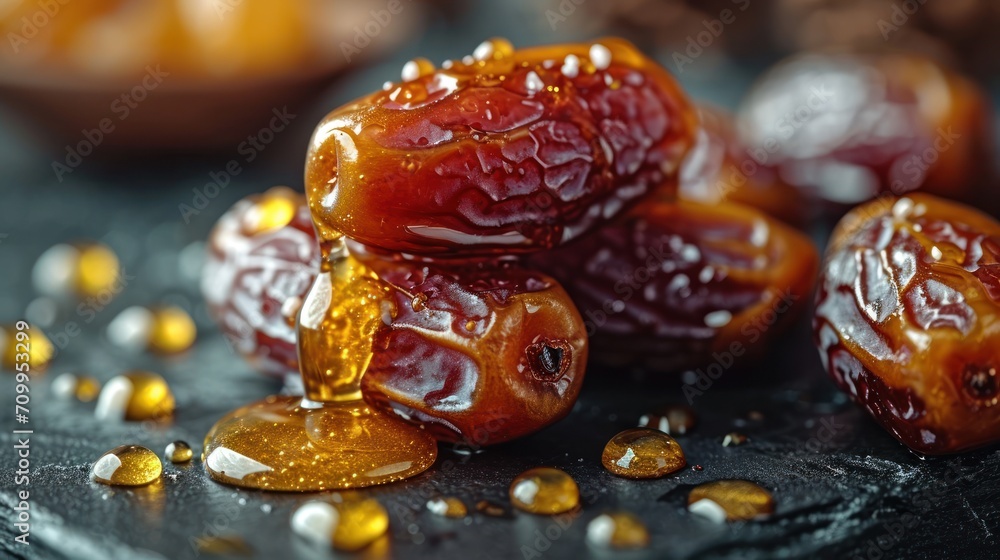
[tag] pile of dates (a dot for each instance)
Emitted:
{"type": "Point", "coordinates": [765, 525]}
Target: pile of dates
{"type": "Point", "coordinates": [515, 211]}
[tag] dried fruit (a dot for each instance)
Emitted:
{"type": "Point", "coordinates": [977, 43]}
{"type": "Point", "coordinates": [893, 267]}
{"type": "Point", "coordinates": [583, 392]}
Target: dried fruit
{"type": "Point", "coordinates": [907, 320]}
{"type": "Point", "coordinates": [506, 152]}
{"type": "Point", "coordinates": [846, 127]}
{"type": "Point", "coordinates": [262, 258]}
{"type": "Point", "coordinates": [718, 168]}
{"type": "Point", "coordinates": [480, 355]}
{"type": "Point", "coordinates": [674, 283]}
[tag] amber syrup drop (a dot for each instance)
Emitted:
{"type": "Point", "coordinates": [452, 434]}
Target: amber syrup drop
{"type": "Point", "coordinates": [127, 465]}
{"type": "Point", "coordinates": [643, 453]}
{"type": "Point", "coordinates": [544, 491]}
{"type": "Point", "coordinates": [617, 530]}
{"type": "Point", "coordinates": [330, 438]}
{"type": "Point", "coordinates": [730, 500]}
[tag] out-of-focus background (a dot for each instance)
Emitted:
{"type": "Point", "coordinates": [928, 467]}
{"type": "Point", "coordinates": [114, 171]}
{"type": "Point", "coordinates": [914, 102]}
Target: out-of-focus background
{"type": "Point", "coordinates": [135, 124]}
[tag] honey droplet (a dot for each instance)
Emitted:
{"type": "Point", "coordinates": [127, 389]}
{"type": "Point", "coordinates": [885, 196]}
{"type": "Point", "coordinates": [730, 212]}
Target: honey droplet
{"type": "Point", "coordinates": [621, 530]}
{"type": "Point", "coordinates": [127, 465]}
{"type": "Point", "coordinates": [223, 545]}
{"type": "Point", "coordinates": [70, 386]}
{"type": "Point", "coordinates": [348, 523]}
{"type": "Point", "coordinates": [85, 269]}
{"type": "Point", "coordinates": [416, 69]}
{"type": "Point", "coordinates": [733, 439]}
{"type": "Point", "coordinates": [164, 330]}
{"type": "Point", "coordinates": [493, 49]}
{"type": "Point", "coordinates": [447, 507]}
{"type": "Point", "coordinates": [178, 452]}
{"type": "Point", "coordinates": [295, 445]}
{"type": "Point", "coordinates": [732, 500]}
{"type": "Point", "coordinates": [331, 438]}
{"type": "Point", "coordinates": [492, 509]}
{"type": "Point", "coordinates": [675, 420]}
{"type": "Point", "coordinates": [643, 453]}
{"type": "Point", "coordinates": [32, 341]}
{"type": "Point", "coordinates": [544, 491]}
{"type": "Point", "coordinates": [173, 331]}
{"type": "Point", "coordinates": [274, 209]}
{"type": "Point", "coordinates": [419, 301]}
{"type": "Point", "coordinates": [336, 328]}
{"type": "Point", "coordinates": [137, 396]}
{"type": "Point", "coordinates": [97, 270]}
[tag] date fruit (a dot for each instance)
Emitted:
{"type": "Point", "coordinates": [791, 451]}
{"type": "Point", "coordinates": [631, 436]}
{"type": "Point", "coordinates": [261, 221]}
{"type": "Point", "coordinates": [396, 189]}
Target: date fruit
{"type": "Point", "coordinates": [675, 283]}
{"type": "Point", "coordinates": [908, 320]}
{"type": "Point", "coordinates": [504, 152]}
{"type": "Point", "coordinates": [845, 128]}
{"type": "Point", "coordinates": [474, 355]}
{"type": "Point", "coordinates": [718, 168]}
{"type": "Point", "coordinates": [262, 258]}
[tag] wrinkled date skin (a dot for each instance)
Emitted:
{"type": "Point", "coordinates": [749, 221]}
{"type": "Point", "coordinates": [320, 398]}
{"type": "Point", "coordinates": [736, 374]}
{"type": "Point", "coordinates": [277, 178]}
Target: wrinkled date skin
{"type": "Point", "coordinates": [262, 257]}
{"type": "Point", "coordinates": [477, 356]}
{"type": "Point", "coordinates": [844, 128]}
{"type": "Point", "coordinates": [908, 320]}
{"type": "Point", "coordinates": [674, 283]}
{"type": "Point", "coordinates": [718, 168]}
{"type": "Point", "coordinates": [507, 152]}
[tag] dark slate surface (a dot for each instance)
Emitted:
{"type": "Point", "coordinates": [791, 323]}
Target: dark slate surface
{"type": "Point", "coordinates": [843, 487]}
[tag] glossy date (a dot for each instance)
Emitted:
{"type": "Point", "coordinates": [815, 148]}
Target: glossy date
{"type": "Point", "coordinates": [844, 128]}
{"type": "Point", "coordinates": [908, 320]}
{"type": "Point", "coordinates": [671, 283]}
{"type": "Point", "coordinates": [476, 355]}
{"type": "Point", "coordinates": [508, 151]}
{"type": "Point", "coordinates": [262, 257]}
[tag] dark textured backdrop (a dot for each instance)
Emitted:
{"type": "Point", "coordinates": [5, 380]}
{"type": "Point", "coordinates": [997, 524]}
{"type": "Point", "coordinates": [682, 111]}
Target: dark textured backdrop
{"type": "Point", "coordinates": [842, 486]}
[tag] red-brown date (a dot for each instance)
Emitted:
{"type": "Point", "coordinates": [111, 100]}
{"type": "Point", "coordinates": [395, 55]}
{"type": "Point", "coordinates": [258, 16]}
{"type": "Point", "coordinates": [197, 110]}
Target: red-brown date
{"type": "Point", "coordinates": [262, 257]}
{"type": "Point", "coordinates": [718, 168]}
{"type": "Point", "coordinates": [845, 128]}
{"type": "Point", "coordinates": [477, 355]}
{"type": "Point", "coordinates": [908, 320]}
{"type": "Point", "coordinates": [673, 283]}
{"type": "Point", "coordinates": [505, 152]}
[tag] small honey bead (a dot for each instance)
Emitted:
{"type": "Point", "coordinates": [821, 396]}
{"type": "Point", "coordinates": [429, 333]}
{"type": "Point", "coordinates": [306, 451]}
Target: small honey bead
{"type": "Point", "coordinates": [69, 386]}
{"type": "Point", "coordinates": [620, 530]}
{"type": "Point", "coordinates": [275, 209]}
{"type": "Point", "coordinates": [675, 420]}
{"type": "Point", "coordinates": [137, 396]}
{"type": "Point", "coordinates": [730, 500]}
{"type": "Point", "coordinates": [447, 507]}
{"type": "Point", "coordinates": [544, 491]}
{"type": "Point", "coordinates": [643, 453]}
{"type": "Point", "coordinates": [32, 341]}
{"type": "Point", "coordinates": [127, 465]}
{"type": "Point", "coordinates": [178, 452]}
{"type": "Point", "coordinates": [350, 523]}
